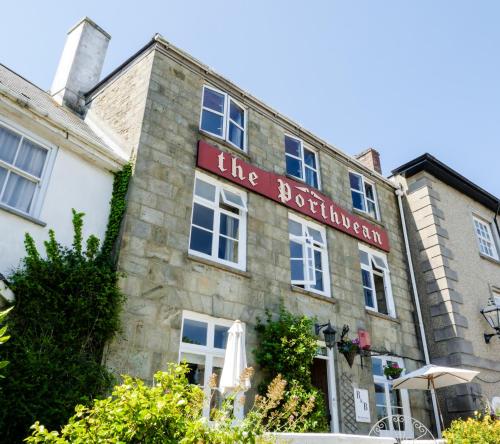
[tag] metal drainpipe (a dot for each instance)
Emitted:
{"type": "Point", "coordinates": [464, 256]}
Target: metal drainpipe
{"type": "Point", "coordinates": [399, 193]}
{"type": "Point", "coordinates": [495, 218]}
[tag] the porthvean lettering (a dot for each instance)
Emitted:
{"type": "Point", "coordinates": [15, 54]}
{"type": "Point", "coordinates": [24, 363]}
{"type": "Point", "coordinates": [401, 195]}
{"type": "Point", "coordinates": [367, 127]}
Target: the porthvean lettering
{"type": "Point", "coordinates": [290, 193]}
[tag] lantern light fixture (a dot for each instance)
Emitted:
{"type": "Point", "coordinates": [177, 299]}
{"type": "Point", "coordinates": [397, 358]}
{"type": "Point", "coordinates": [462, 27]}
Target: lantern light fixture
{"type": "Point", "coordinates": [328, 333]}
{"type": "Point", "coordinates": [492, 315]}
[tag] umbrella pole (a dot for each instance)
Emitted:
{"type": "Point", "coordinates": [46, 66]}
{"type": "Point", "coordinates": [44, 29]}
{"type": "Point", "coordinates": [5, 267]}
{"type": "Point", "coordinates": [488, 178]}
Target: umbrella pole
{"type": "Point", "coordinates": [437, 403]}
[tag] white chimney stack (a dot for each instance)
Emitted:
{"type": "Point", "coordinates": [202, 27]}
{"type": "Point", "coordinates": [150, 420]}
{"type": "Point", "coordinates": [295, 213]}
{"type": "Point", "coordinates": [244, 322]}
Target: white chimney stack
{"type": "Point", "coordinates": [81, 63]}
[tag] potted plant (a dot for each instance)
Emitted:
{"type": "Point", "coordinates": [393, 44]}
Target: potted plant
{"type": "Point", "coordinates": [348, 347]}
{"type": "Point", "coordinates": [392, 370]}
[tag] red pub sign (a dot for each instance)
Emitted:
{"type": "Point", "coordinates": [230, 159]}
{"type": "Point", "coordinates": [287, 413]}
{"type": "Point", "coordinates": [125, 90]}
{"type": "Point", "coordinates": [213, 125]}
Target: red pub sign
{"type": "Point", "coordinates": [295, 195]}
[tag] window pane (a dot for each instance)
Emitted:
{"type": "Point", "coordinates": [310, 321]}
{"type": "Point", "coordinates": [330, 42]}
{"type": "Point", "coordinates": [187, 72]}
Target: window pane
{"type": "Point", "coordinates": [203, 216]}
{"type": "Point", "coordinates": [236, 135]}
{"type": "Point", "coordinates": [363, 257]}
{"type": "Point", "coordinates": [211, 122]}
{"type": "Point", "coordinates": [372, 211]}
{"type": "Point", "coordinates": [377, 367]}
{"type": "Point", "coordinates": [311, 178]}
{"type": "Point", "coordinates": [379, 394]}
{"type": "Point", "coordinates": [8, 144]}
{"type": "Point", "coordinates": [292, 146]}
{"type": "Point", "coordinates": [297, 269]}
{"type": "Point", "coordinates": [319, 281]}
{"type": "Point", "coordinates": [229, 226]}
{"type": "Point", "coordinates": [294, 228]}
{"type": "Point", "coordinates": [19, 192]}
{"type": "Point", "coordinates": [201, 241]}
{"type": "Point", "coordinates": [366, 278]}
{"type": "Point", "coordinates": [293, 167]}
{"type": "Point", "coordinates": [296, 250]}
{"type": "Point", "coordinates": [220, 336]}
{"type": "Point", "coordinates": [3, 175]}
{"type": "Point", "coordinates": [358, 200]}
{"type": "Point", "coordinates": [233, 198]}
{"type": "Point", "coordinates": [205, 190]}
{"type": "Point", "coordinates": [316, 235]}
{"type": "Point", "coordinates": [194, 332]}
{"type": "Point", "coordinates": [228, 249]}
{"type": "Point", "coordinates": [379, 262]}
{"type": "Point", "coordinates": [196, 365]}
{"type": "Point", "coordinates": [237, 114]}
{"type": "Point", "coordinates": [310, 158]}
{"type": "Point", "coordinates": [368, 297]}
{"type": "Point", "coordinates": [356, 182]}
{"type": "Point", "coordinates": [31, 158]}
{"type": "Point", "coordinates": [380, 292]}
{"type": "Point", "coordinates": [213, 100]}
{"type": "Point", "coordinates": [369, 191]}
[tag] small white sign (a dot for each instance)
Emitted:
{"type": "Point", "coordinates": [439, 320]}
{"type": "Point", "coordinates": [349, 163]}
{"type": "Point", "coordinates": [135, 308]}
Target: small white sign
{"type": "Point", "coordinates": [362, 405]}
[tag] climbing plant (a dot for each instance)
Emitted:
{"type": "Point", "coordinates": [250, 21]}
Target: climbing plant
{"type": "Point", "coordinates": [67, 307]}
{"type": "Point", "coordinates": [118, 206]}
{"type": "Point", "coordinates": [287, 346]}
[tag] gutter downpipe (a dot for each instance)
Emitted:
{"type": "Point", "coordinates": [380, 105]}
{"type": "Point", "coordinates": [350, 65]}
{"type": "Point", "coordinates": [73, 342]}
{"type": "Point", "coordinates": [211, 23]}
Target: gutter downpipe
{"type": "Point", "coordinates": [495, 218]}
{"type": "Point", "coordinates": [399, 192]}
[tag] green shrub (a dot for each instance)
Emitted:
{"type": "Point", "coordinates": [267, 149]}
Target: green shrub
{"type": "Point", "coordinates": [67, 307]}
{"type": "Point", "coordinates": [481, 429]}
{"type": "Point", "coordinates": [167, 412]}
{"type": "Point", "coordinates": [287, 347]}
{"type": "Point", "coordinates": [4, 337]}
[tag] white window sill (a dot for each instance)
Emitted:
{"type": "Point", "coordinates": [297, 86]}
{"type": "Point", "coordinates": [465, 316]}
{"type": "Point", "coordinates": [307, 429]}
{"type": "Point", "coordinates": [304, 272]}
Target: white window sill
{"type": "Point", "coordinates": [297, 179]}
{"type": "Point", "coordinates": [489, 258]}
{"type": "Point", "coordinates": [225, 143]}
{"type": "Point", "coordinates": [382, 316]}
{"type": "Point", "coordinates": [367, 216]}
{"type": "Point", "coordinates": [215, 264]}
{"type": "Point", "coordinates": [312, 294]}
{"type": "Point", "coordinates": [23, 215]}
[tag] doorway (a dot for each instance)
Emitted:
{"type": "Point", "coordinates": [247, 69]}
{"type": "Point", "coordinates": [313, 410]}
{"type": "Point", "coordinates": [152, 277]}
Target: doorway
{"type": "Point", "coordinates": [319, 378]}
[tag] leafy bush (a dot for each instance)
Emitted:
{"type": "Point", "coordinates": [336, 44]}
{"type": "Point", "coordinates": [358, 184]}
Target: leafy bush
{"type": "Point", "coordinates": [67, 307]}
{"type": "Point", "coordinates": [4, 337]}
{"type": "Point", "coordinates": [167, 412]}
{"type": "Point", "coordinates": [481, 429]}
{"type": "Point", "coordinates": [287, 347]}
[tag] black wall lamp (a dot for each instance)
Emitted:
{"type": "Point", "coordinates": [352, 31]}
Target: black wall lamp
{"type": "Point", "coordinates": [492, 315]}
{"type": "Point", "coordinates": [328, 332]}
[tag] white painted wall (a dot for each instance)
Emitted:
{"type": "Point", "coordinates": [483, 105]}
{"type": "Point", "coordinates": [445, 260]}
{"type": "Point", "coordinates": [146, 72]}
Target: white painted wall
{"type": "Point", "coordinates": [74, 183]}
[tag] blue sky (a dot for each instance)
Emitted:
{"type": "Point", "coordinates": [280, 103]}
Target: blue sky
{"type": "Point", "coordinates": [405, 77]}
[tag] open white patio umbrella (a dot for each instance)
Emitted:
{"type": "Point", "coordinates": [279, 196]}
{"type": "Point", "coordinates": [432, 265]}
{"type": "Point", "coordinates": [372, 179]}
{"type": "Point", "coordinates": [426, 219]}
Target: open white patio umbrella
{"type": "Point", "coordinates": [431, 377]}
{"type": "Point", "coordinates": [235, 361]}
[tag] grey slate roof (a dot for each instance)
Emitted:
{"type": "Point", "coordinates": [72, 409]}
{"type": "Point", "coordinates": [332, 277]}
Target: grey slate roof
{"type": "Point", "coordinates": [43, 102]}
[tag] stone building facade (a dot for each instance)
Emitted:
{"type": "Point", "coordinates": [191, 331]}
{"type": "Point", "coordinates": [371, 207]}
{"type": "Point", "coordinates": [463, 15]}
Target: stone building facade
{"type": "Point", "coordinates": [455, 247]}
{"type": "Point", "coordinates": [204, 242]}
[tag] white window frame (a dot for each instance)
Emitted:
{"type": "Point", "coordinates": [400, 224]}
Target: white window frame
{"type": "Point", "coordinates": [226, 118]}
{"type": "Point", "coordinates": [42, 182]}
{"type": "Point", "coordinates": [405, 401]}
{"type": "Point", "coordinates": [209, 352]}
{"type": "Point", "coordinates": [301, 159]}
{"type": "Point", "coordinates": [242, 218]}
{"type": "Point", "coordinates": [491, 243]}
{"type": "Point", "coordinates": [374, 255]}
{"type": "Point", "coordinates": [364, 182]}
{"type": "Point", "coordinates": [308, 244]}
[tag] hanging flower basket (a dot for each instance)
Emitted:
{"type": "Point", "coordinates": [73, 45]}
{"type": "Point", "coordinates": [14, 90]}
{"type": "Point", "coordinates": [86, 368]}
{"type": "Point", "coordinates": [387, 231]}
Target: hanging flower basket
{"type": "Point", "coordinates": [349, 356]}
{"type": "Point", "coordinates": [393, 370]}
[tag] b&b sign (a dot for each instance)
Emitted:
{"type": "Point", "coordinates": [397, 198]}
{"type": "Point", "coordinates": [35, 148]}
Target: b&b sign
{"type": "Point", "coordinates": [362, 405]}
{"type": "Point", "coordinates": [295, 195]}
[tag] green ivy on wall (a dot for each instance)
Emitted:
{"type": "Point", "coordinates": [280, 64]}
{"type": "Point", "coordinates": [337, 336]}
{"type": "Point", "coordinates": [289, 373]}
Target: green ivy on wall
{"type": "Point", "coordinates": [118, 206]}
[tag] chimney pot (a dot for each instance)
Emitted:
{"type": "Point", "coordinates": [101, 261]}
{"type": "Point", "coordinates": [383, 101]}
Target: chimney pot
{"type": "Point", "coordinates": [370, 158]}
{"type": "Point", "coordinates": [81, 64]}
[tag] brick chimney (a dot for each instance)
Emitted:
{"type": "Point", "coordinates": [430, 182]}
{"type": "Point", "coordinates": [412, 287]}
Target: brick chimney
{"type": "Point", "coordinates": [81, 64]}
{"type": "Point", "coordinates": [370, 158]}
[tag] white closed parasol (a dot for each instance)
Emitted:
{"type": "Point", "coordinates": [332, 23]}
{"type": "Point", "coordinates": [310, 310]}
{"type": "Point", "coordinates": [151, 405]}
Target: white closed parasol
{"type": "Point", "coordinates": [235, 361]}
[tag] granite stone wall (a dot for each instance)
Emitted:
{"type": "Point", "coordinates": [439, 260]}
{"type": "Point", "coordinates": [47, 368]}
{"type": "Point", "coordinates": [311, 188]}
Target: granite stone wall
{"type": "Point", "coordinates": [161, 279]}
